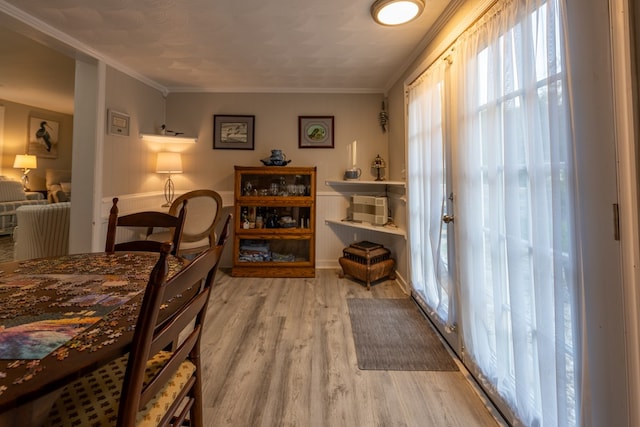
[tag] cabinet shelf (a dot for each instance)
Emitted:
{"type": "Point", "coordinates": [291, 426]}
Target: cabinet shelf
{"type": "Point", "coordinates": [361, 225]}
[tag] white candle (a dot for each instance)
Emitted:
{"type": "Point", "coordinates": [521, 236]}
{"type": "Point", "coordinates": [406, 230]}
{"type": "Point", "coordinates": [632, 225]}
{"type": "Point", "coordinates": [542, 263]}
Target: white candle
{"type": "Point", "coordinates": [353, 153]}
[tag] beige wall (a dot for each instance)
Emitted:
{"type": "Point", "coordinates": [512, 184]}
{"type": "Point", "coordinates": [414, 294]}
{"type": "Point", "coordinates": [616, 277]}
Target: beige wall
{"type": "Point", "coordinates": [276, 126]}
{"type": "Point", "coordinates": [16, 130]}
{"type": "Point", "coordinates": [128, 162]}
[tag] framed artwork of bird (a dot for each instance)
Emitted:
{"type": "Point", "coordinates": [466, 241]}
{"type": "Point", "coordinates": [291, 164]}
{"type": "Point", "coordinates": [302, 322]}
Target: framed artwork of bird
{"type": "Point", "coordinates": [43, 137]}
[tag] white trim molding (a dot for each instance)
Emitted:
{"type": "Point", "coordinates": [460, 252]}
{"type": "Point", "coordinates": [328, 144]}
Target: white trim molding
{"type": "Point", "coordinates": [627, 153]}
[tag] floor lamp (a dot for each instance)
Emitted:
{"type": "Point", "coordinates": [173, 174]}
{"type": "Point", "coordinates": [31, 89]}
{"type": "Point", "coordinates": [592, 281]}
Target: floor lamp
{"type": "Point", "coordinates": [169, 163]}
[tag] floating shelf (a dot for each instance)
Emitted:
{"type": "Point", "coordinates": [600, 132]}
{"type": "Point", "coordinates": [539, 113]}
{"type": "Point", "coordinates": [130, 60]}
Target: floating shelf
{"type": "Point", "coordinates": [362, 225]}
{"type": "Point", "coordinates": [164, 139]}
{"type": "Point", "coordinates": [381, 228]}
{"type": "Point", "coordinates": [358, 182]}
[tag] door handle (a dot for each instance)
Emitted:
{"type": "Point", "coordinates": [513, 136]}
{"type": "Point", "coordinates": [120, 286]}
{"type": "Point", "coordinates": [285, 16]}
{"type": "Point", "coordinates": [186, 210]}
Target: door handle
{"type": "Point", "coordinates": [447, 218]}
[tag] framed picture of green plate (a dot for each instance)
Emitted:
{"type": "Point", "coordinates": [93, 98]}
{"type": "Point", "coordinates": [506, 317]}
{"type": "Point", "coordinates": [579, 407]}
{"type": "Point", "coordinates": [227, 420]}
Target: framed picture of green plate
{"type": "Point", "coordinates": [315, 131]}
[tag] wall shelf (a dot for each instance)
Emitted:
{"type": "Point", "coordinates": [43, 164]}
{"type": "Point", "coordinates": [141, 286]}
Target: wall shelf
{"type": "Point", "coordinates": [358, 182]}
{"type": "Point", "coordinates": [378, 228]}
{"type": "Point", "coordinates": [343, 185]}
{"type": "Point", "coordinates": [168, 139]}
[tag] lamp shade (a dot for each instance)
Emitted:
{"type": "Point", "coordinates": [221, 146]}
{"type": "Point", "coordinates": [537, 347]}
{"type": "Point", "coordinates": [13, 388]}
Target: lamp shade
{"type": "Point", "coordinates": [169, 163]}
{"type": "Point", "coordinates": [25, 161]}
{"type": "Point", "coordinates": [396, 12]}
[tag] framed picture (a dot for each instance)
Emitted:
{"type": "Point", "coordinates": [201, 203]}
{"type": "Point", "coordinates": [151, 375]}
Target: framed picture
{"type": "Point", "coordinates": [43, 137]}
{"type": "Point", "coordinates": [117, 123]}
{"type": "Point", "coordinates": [315, 131]}
{"type": "Point", "coordinates": [233, 132]}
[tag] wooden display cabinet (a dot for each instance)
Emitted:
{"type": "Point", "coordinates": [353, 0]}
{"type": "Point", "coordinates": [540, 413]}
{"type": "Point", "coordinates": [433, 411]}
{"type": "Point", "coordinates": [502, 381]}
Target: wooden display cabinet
{"type": "Point", "coordinates": [274, 221]}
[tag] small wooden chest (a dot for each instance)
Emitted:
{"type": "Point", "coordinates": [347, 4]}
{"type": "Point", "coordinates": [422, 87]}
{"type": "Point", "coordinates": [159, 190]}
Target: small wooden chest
{"type": "Point", "coordinates": [367, 262]}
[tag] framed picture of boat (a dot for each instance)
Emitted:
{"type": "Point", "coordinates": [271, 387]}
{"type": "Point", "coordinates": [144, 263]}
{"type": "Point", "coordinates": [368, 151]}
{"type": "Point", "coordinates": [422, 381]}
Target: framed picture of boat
{"type": "Point", "coordinates": [233, 132]}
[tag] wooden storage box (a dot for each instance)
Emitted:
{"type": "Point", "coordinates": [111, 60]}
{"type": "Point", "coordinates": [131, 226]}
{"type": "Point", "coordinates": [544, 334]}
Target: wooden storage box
{"type": "Point", "coordinates": [367, 262]}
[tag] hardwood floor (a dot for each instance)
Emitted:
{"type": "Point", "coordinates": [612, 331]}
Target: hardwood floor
{"type": "Point", "coordinates": [280, 352]}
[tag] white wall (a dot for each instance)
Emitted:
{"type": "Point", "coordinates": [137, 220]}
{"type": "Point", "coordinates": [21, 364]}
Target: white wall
{"type": "Point", "coordinates": [87, 144]}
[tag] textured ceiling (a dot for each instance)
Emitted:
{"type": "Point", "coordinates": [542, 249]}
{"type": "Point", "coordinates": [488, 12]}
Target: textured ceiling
{"type": "Point", "coordinates": [237, 45]}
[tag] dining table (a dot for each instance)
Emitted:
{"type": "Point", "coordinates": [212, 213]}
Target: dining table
{"type": "Point", "coordinates": [65, 316]}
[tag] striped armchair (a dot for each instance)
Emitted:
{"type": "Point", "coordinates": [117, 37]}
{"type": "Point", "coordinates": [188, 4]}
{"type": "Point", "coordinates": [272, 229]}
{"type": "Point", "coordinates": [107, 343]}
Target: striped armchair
{"type": "Point", "coordinates": [42, 231]}
{"type": "Point", "coordinates": [12, 196]}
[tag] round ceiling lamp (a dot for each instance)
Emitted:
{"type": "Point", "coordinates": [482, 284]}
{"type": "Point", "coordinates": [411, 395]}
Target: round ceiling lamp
{"type": "Point", "coordinates": [396, 12]}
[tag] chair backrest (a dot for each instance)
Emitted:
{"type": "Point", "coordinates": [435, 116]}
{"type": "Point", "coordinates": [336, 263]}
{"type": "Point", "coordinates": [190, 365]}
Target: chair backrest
{"type": "Point", "coordinates": [205, 209]}
{"type": "Point", "coordinates": [184, 298]}
{"type": "Point", "coordinates": [147, 220]}
{"type": "Point", "coordinates": [224, 234]}
{"type": "Point", "coordinates": [42, 231]}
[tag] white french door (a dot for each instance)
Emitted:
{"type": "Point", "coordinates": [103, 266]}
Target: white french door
{"type": "Point", "coordinates": [516, 294]}
{"type": "Point", "coordinates": [432, 238]}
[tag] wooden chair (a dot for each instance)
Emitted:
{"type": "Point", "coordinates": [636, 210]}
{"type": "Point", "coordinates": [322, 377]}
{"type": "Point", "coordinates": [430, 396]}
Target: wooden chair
{"type": "Point", "coordinates": [147, 220]}
{"type": "Point", "coordinates": [224, 233]}
{"type": "Point", "coordinates": [151, 386]}
{"type": "Point", "coordinates": [198, 233]}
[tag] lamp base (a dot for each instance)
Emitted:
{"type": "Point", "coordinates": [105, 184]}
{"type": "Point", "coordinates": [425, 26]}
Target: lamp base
{"type": "Point", "coordinates": [25, 182]}
{"type": "Point", "coordinates": [168, 192]}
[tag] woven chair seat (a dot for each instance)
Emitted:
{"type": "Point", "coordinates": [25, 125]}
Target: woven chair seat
{"type": "Point", "coordinates": [93, 399]}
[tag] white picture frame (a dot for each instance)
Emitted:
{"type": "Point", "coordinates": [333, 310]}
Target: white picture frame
{"type": "Point", "coordinates": [118, 123]}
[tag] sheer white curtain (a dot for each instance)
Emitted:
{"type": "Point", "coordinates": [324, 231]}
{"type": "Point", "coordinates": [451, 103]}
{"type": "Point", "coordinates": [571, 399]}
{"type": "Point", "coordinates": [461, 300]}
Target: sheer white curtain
{"type": "Point", "coordinates": [514, 214]}
{"type": "Point", "coordinates": [426, 188]}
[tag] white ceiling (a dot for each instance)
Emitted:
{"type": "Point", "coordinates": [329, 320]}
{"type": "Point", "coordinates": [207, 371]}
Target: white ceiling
{"type": "Point", "coordinates": [231, 45]}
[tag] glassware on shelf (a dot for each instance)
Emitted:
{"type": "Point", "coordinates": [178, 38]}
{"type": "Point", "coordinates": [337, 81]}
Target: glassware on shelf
{"type": "Point", "coordinates": [273, 220]}
{"type": "Point", "coordinates": [274, 189]}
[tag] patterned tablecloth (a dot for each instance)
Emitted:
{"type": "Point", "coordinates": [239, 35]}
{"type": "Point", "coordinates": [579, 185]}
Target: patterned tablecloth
{"type": "Point", "coordinates": [56, 309]}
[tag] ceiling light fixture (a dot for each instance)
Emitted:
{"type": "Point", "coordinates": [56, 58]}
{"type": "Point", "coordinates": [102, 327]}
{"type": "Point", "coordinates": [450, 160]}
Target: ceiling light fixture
{"type": "Point", "coordinates": [396, 12]}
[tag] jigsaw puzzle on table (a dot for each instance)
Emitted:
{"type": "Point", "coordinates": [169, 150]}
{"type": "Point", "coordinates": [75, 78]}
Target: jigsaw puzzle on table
{"type": "Point", "coordinates": [75, 303]}
{"type": "Point", "coordinates": [45, 303]}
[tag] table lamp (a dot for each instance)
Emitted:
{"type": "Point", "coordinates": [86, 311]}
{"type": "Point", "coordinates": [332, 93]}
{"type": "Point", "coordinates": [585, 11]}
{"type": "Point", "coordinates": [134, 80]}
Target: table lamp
{"type": "Point", "coordinates": [169, 163]}
{"type": "Point", "coordinates": [25, 162]}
